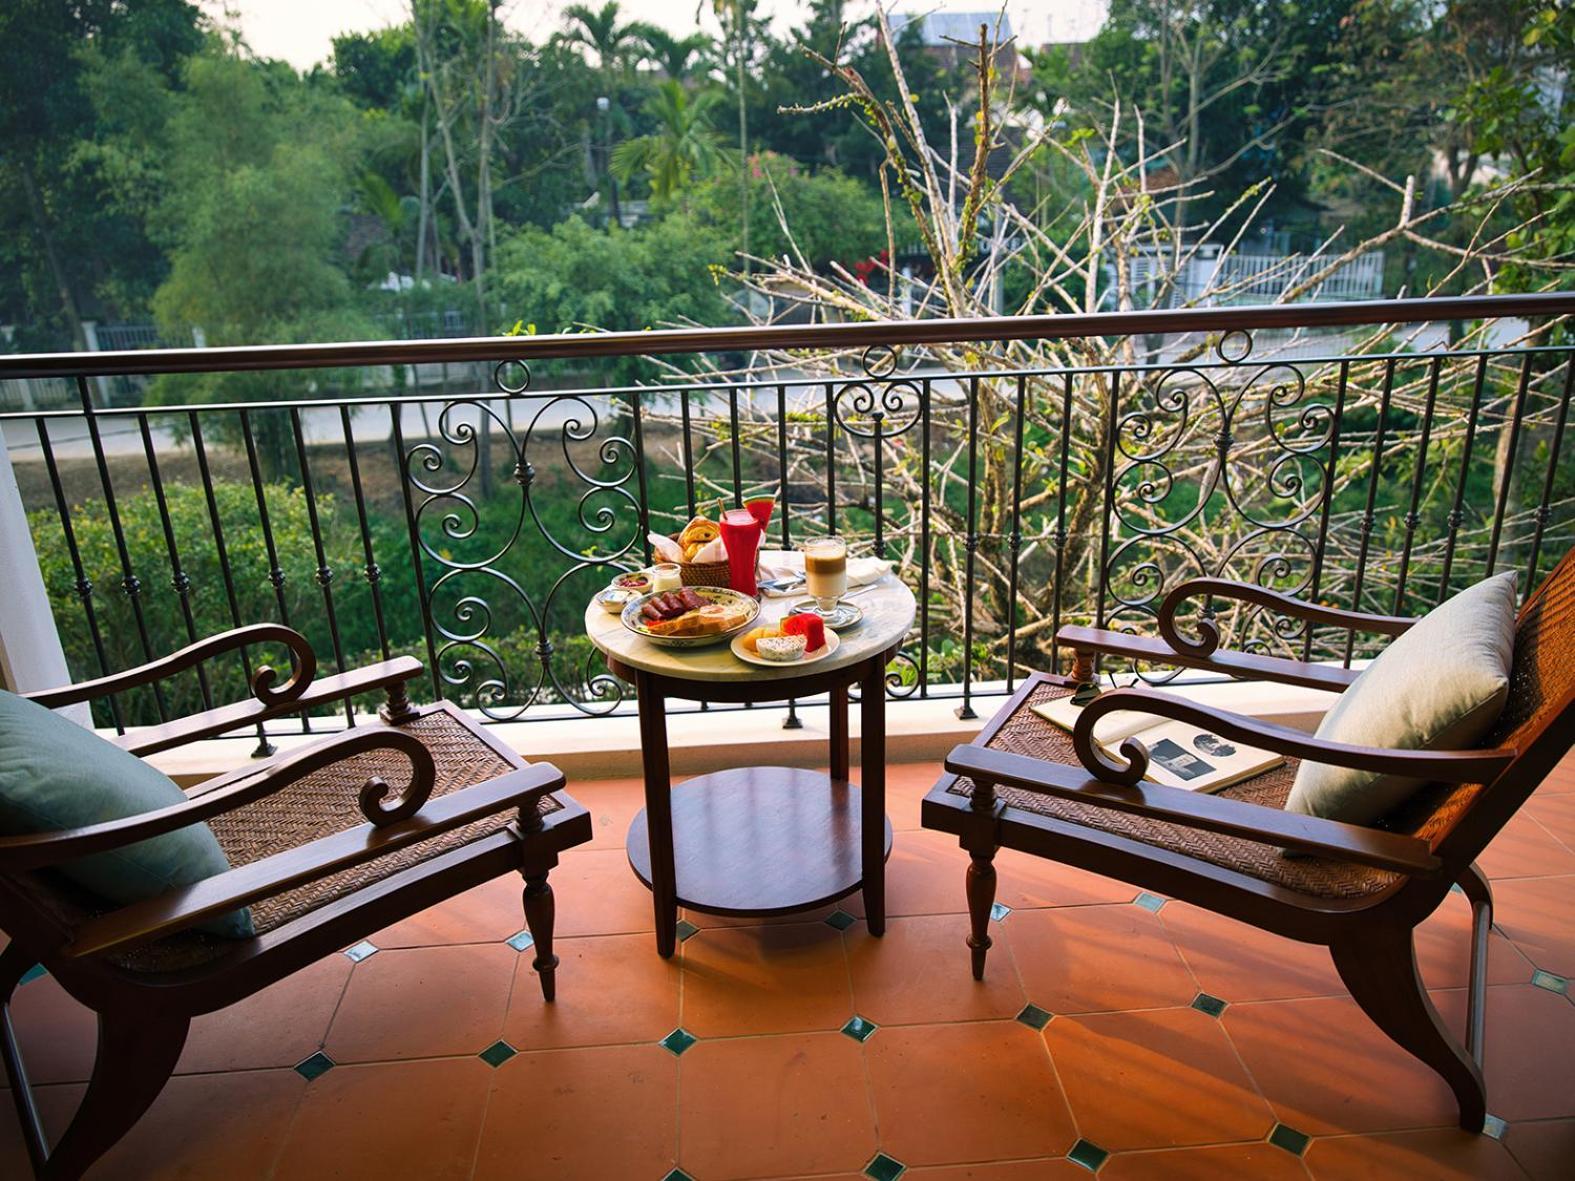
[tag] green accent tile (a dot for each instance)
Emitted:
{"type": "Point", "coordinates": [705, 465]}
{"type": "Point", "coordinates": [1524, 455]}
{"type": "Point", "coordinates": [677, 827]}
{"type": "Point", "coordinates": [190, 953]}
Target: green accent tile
{"type": "Point", "coordinates": [860, 1029]}
{"type": "Point", "coordinates": [497, 1053]}
{"type": "Point", "coordinates": [1494, 1127]}
{"type": "Point", "coordinates": [678, 1041]}
{"type": "Point", "coordinates": [33, 973]}
{"type": "Point", "coordinates": [1034, 1017]}
{"type": "Point", "coordinates": [1455, 889]}
{"type": "Point", "coordinates": [1289, 1139]}
{"type": "Point", "coordinates": [678, 1175]}
{"type": "Point", "coordinates": [1089, 1155]}
{"type": "Point", "coordinates": [1149, 901]}
{"type": "Point", "coordinates": [840, 919]}
{"type": "Point", "coordinates": [1550, 982]}
{"type": "Point", "coordinates": [1212, 1005]}
{"type": "Point", "coordinates": [316, 1066]}
{"type": "Point", "coordinates": [520, 940]}
{"type": "Point", "coordinates": [884, 1168]}
{"type": "Point", "coordinates": [361, 951]}
{"type": "Point", "coordinates": [686, 930]}
{"type": "Point", "coordinates": [999, 911]}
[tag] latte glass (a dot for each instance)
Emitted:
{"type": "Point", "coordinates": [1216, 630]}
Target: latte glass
{"type": "Point", "coordinates": [825, 572]}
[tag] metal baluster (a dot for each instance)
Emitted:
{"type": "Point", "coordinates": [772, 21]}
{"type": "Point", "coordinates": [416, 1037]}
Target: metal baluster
{"type": "Point", "coordinates": [83, 584]}
{"type": "Point", "coordinates": [275, 571]}
{"type": "Point", "coordinates": [1015, 538]}
{"type": "Point", "coordinates": [1060, 522]}
{"type": "Point", "coordinates": [1110, 499]}
{"type": "Point", "coordinates": [264, 748]}
{"type": "Point", "coordinates": [129, 582]}
{"type": "Point", "coordinates": [180, 581]}
{"type": "Point", "coordinates": [831, 462]}
{"type": "Point", "coordinates": [325, 572]}
{"type": "Point", "coordinates": [1372, 500]}
{"type": "Point", "coordinates": [372, 571]}
{"type": "Point", "coordinates": [970, 543]}
{"type": "Point", "coordinates": [1509, 463]}
{"type": "Point", "coordinates": [1328, 497]}
{"type": "Point", "coordinates": [1412, 517]}
{"type": "Point", "coordinates": [880, 478]}
{"type": "Point", "coordinates": [738, 476]}
{"type": "Point", "coordinates": [639, 469]}
{"type": "Point", "coordinates": [1457, 514]}
{"type": "Point", "coordinates": [414, 534]}
{"type": "Point", "coordinates": [924, 540]}
{"type": "Point", "coordinates": [1544, 509]}
{"type": "Point", "coordinates": [689, 454]}
{"type": "Point", "coordinates": [792, 721]}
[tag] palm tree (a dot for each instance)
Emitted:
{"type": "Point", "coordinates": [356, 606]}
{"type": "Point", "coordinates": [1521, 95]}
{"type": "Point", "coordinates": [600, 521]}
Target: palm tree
{"type": "Point", "coordinates": [673, 54]}
{"type": "Point", "coordinates": [685, 148]}
{"type": "Point", "coordinates": [617, 45]}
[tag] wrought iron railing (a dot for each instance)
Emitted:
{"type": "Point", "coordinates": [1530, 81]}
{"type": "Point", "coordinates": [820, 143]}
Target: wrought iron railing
{"type": "Point", "coordinates": [1015, 489]}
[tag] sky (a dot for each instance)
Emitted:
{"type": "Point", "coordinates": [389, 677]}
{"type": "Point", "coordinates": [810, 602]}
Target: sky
{"type": "Point", "coordinates": [301, 31]}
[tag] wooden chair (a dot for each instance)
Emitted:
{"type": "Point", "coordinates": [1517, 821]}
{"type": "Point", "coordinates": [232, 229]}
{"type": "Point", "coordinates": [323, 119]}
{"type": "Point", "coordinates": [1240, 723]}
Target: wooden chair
{"type": "Point", "coordinates": [1360, 891]}
{"type": "Point", "coordinates": [327, 846]}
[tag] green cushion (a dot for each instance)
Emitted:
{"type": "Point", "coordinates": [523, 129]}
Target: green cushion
{"type": "Point", "coordinates": [55, 775]}
{"type": "Point", "coordinates": [1439, 686]}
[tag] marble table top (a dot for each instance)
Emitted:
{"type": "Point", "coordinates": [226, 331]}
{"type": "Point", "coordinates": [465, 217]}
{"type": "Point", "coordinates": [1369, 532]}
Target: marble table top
{"type": "Point", "coordinates": [888, 607]}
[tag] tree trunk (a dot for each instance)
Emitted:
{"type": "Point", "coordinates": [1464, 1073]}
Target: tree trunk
{"type": "Point", "coordinates": [426, 192]}
{"type": "Point", "coordinates": [68, 299]}
{"type": "Point", "coordinates": [743, 131]}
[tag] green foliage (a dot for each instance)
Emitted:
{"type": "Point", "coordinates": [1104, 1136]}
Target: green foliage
{"type": "Point", "coordinates": [683, 149]}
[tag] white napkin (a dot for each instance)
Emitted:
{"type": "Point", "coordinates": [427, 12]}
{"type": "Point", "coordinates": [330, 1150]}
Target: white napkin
{"type": "Point", "coordinates": [665, 549]}
{"type": "Point", "coordinates": [787, 564]}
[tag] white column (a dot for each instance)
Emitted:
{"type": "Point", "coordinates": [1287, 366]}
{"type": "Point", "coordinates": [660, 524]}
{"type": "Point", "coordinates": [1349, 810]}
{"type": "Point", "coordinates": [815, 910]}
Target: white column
{"type": "Point", "coordinates": [31, 657]}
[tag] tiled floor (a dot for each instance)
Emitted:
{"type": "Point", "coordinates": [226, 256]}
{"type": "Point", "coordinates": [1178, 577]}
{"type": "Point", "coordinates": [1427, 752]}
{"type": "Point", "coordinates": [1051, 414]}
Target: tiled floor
{"type": "Point", "coordinates": [1115, 1032]}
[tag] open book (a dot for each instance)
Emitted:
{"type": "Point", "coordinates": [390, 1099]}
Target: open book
{"type": "Point", "coordinates": [1180, 754]}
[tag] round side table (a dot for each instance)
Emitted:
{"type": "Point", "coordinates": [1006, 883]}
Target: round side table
{"type": "Point", "coordinates": [763, 840]}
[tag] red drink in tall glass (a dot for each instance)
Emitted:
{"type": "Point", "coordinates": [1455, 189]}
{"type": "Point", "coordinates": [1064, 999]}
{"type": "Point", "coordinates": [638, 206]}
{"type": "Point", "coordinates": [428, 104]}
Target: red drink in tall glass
{"type": "Point", "coordinates": [741, 533]}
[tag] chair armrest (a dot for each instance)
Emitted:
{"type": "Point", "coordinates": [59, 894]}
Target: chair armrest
{"type": "Point", "coordinates": [1247, 592]}
{"type": "Point", "coordinates": [1450, 766]}
{"type": "Point", "coordinates": [1254, 822]}
{"type": "Point", "coordinates": [144, 922]}
{"type": "Point", "coordinates": [37, 850]}
{"type": "Point", "coordinates": [263, 688]}
{"type": "Point", "coordinates": [1244, 665]}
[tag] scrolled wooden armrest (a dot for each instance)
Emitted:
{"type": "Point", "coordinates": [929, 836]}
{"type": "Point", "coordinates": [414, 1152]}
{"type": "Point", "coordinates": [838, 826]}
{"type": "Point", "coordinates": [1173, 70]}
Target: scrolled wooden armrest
{"type": "Point", "coordinates": [1190, 809]}
{"type": "Point", "coordinates": [1224, 588]}
{"type": "Point", "coordinates": [1450, 766]}
{"type": "Point", "coordinates": [264, 687]}
{"type": "Point", "coordinates": [144, 922]}
{"type": "Point", "coordinates": [36, 850]}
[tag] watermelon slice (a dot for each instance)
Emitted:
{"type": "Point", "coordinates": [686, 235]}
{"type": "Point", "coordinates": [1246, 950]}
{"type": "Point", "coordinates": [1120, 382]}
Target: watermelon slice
{"type": "Point", "coordinates": [761, 510]}
{"type": "Point", "coordinates": [811, 627]}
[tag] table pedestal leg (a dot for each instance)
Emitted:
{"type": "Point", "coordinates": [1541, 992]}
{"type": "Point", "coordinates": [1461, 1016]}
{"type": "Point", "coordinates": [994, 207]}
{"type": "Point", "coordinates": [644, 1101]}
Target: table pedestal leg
{"type": "Point", "coordinates": [872, 820]}
{"type": "Point", "coordinates": [658, 812]}
{"type": "Point", "coordinates": [839, 733]}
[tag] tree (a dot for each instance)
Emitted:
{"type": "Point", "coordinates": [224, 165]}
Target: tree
{"type": "Point", "coordinates": [679, 58]}
{"type": "Point", "coordinates": [617, 45]}
{"type": "Point", "coordinates": [684, 148]}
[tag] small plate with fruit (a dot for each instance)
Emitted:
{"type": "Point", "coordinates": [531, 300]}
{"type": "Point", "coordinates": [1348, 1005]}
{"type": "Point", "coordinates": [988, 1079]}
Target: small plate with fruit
{"type": "Point", "coordinates": [798, 639]}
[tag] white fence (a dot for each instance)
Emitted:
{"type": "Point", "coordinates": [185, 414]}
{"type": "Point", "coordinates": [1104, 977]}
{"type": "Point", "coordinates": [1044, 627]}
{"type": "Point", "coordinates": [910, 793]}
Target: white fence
{"type": "Point", "coordinates": [1212, 279]}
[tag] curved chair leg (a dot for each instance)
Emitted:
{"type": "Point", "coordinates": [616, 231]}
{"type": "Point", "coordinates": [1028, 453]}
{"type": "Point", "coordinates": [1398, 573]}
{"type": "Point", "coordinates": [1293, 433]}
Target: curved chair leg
{"type": "Point", "coordinates": [1380, 970]}
{"type": "Point", "coordinates": [981, 898]}
{"type": "Point", "coordinates": [540, 913]}
{"type": "Point", "coordinates": [1474, 885]}
{"type": "Point", "coordinates": [137, 1053]}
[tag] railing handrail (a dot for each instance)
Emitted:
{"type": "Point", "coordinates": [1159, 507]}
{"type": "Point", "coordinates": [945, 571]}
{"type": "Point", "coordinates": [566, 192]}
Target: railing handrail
{"type": "Point", "coordinates": [664, 342]}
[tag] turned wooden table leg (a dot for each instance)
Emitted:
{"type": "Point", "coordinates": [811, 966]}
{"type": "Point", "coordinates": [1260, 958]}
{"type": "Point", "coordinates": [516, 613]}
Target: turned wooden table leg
{"type": "Point", "coordinates": [839, 733]}
{"type": "Point", "coordinates": [872, 774]}
{"type": "Point", "coordinates": [658, 812]}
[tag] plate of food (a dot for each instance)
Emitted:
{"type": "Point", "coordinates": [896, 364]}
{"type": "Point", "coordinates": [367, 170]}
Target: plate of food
{"type": "Point", "coordinates": [691, 616]}
{"type": "Point", "coordinates": [798, 639]}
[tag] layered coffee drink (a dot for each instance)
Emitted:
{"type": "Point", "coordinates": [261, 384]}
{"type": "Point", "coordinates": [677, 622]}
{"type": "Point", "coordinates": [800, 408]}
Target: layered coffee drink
{"type": "Point", "coordinates": [826, 571]}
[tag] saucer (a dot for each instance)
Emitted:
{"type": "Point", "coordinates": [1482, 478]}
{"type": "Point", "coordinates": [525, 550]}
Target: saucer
{"type": "Point", "coordinates": [842, 617]}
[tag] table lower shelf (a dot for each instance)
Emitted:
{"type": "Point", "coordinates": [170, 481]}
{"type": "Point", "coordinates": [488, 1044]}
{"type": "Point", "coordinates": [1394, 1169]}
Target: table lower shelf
{"type": "Point", "coordinates": [761, 841]}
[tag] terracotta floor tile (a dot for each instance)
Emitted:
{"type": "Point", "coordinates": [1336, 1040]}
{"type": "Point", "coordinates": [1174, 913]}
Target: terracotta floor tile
{"type": "Point", "coordinates": [924, 875]}
{"type": "Point", "coordinates": [611, 989]}
{"type": "Point", "coordinates": [1535, 914]}
{"type": "Point", "coordinates": [225, 1125]}
{"type": "Point", "coordinates": [277, 1027]}
{"type": "Point", "coordinates": [1163, 1078]}
{"type": "Point", "coordinates": [56, 1105]}
{"type": "Point", "coordinates": [1051, 1169]}
{"type": "Point", "coordinates": [1443, 949]}
{"type": "Point", "coordinates": [755, 980]}
{"type": "Point", "coordinates": [1085, 959]}
{"type": "Point", "coordinates": [906, 786]}
{"type": "Point", "coordinates": [392, 1119]}
{"type": "Point", "coordinates": [1237, 962]}
{"type": "Point", "coordinates": [613, 804]}
{"type": "Point", "coordinates": [571, 1114]}
{"type": "Point", "coordinates": [598, 894]}
{"type": "Point", "coordinates": [1023, 880]}
{"type": "Point", "coordinates": [1556, 814]}
{"type": "Point", "coordinates": [489, 913]}
{"type": "Point", "coordinates": [1530, 1043]}
{"type": "Point", "coordinates": [1560, 780]}
{"type": "Point", "coordinates": [1441, 1154]}
{"type": "Point", "coordinates": [774, 1106]}
{"type": "Point", "coordinates": [1546, 1150]}
{"type": "Point", "coordinates": [1325, 1068]}
{"type": "Point", "coordinates": [57, 1036]}
{"type": "Point", "coordinates": [423, 1002]}
{"type": "Point", "coordinates": [1259, 1162]}
{"type": "Point", "coordinates": [918, 973]}
{"type": "Point", "coordinates": [1523, 848]}
{"type": "Point", "coordinates": [973, 1092]}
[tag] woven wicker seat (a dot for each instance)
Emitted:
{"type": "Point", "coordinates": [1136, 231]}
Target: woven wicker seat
{"type": "Point", "coordinates": [1027, 785]}
{"type": "Point", "coordinates": [327, 845]}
